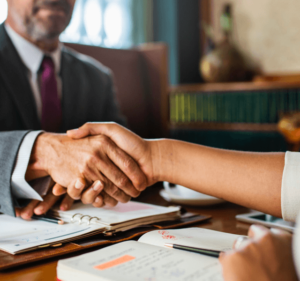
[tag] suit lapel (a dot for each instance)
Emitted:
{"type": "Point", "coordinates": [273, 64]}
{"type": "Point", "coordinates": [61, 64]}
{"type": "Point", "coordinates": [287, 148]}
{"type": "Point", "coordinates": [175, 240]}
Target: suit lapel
{"type": "Point", "coordinates": [14, 74]}
{"type": "Point", "coordinates": [69, 91]}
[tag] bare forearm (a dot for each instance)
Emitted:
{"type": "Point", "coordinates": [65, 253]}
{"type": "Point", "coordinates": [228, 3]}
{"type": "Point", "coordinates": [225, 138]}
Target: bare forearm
{"type": "Point", "coordinates": [249, 179]}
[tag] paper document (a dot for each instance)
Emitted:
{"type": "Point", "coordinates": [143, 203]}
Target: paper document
{"type": "Point", "coordinates": [193, 237]}
{"type": "Point", "coordinates": [134, 261]}
{"type": "Point", "coordinates": [123, 212]}
{"type": "Point", "coordinates": [149, 260]}
{"type": "Point", "coordinates": [16, 234]}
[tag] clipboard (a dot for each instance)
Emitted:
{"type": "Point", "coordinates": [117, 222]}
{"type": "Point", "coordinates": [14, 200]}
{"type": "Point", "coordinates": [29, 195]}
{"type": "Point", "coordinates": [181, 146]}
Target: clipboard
{"type": "Point", "coordinates": [8, 261]}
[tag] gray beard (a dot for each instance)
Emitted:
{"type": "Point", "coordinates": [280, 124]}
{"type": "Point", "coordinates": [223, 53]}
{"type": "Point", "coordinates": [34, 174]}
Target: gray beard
{"type": "Point", "coordinates": [38, 32]}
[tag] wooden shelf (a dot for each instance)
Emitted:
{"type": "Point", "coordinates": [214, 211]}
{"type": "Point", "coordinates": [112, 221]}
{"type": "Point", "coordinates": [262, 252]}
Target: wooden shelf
{"type": "Point", "coordinates": [228, 87]}
{"type": "Point", "coordinates": [212, 126]}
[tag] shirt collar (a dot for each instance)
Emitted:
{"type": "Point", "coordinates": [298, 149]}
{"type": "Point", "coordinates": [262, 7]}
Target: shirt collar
{"type": "Point", "coordinates": [30, 54]}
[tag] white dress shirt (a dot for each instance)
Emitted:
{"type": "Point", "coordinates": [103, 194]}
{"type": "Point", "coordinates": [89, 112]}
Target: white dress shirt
{"type": "Point", "coordinates": [290, 187]}
{"type": "Point", "coordinates": [32, 57]}
{"type": "Point", "coordinates": [290, 199]}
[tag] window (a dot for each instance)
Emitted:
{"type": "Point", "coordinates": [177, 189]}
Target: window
{"type": "Point", "coordinates": [107, 23]}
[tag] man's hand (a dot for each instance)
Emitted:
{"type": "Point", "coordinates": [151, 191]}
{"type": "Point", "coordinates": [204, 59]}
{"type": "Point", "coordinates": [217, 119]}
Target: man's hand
{"type": "Point", "coordinates": [139, 149]}
{"type": "Point", "coordinates": [266, 256]}
{"type": "Point", "coordinates": [77, 163]}
{"type": "Point", "coordinates": [39, 208]}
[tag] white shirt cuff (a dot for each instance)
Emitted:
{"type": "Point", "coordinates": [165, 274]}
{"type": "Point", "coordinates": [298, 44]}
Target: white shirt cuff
{"type": "Point", "coordinates": [290, 188]}
{"type": "Point", "coordinates": [20, 187]}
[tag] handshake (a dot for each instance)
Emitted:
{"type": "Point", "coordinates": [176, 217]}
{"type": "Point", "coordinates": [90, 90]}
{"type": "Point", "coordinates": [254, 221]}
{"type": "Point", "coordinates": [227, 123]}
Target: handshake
{"type": "Point", "coordinates": [99, 163]}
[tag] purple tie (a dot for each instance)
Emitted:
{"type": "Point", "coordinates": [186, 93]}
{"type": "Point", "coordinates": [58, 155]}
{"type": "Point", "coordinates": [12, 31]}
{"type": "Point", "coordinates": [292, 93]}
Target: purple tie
{"type": "Point", "coordinates": [51, 107]}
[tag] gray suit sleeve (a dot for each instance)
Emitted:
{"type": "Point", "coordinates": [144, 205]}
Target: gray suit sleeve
{"type": "Point", "coordinates": [9, 147]}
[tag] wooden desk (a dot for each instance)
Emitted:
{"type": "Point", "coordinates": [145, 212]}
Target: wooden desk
{"type": "Point", "coordinates": [223, 220]}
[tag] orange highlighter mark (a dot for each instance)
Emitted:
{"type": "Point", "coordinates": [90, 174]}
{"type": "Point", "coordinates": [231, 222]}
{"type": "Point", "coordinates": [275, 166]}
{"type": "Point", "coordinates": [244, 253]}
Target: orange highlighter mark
{"type": "Point", "coordinates": [115, 262]}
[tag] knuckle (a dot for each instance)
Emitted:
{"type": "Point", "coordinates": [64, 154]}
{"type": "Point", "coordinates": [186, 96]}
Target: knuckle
{"type": "Point", "coordinates": [122, 181]}
{"type": "Point", "coordinates": [102, 140]}
{"type": "Point", "coordinates": [83, 168]}
{"type": "Point", "coordinates": [92, 157]}
{"type": "Point", "coordinates": [141, 183]}
{"type": "Point", "coordinates": [115, 191]}
{"type": "Point", "coordinates": [86, 125]}
{"type": "Point", "coordinates": [129, 164]}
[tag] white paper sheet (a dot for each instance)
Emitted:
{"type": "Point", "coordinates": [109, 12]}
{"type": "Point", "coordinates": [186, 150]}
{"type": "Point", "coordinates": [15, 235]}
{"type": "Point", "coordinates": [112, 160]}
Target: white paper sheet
{"type": "Point", "coordinates": [193, 237]}
{"type": "Point", "coordinates": [134, 261]}
{"type": "Point", "coordinates": [17, 234]}
{"type": "Point", "coordinates": [121, 213]}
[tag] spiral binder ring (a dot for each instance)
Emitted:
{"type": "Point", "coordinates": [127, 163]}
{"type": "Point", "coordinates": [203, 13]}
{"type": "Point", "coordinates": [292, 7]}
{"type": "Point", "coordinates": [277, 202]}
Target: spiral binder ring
{"type": "Point", "coordinates": [81, 217]}
{"type": "Point", "coordinates": [77, 214]}
{"type": "Point", "coordinates": [93, 218]}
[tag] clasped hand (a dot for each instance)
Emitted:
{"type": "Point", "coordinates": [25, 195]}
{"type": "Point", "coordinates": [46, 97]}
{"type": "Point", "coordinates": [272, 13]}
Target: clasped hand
{"type": "Point", "coordinates": [91, 168]}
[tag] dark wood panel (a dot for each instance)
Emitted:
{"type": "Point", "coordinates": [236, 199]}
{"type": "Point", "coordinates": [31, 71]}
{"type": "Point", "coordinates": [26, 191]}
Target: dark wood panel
{"type": "Point", "coordinates": [225, 126]}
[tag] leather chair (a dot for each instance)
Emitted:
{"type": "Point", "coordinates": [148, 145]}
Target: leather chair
{"type": "Point", "coordinates": [141, 78]}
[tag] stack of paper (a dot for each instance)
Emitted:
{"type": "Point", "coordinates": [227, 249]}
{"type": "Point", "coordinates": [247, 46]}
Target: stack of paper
{"type": "Point", "coordinates": [19, 236]}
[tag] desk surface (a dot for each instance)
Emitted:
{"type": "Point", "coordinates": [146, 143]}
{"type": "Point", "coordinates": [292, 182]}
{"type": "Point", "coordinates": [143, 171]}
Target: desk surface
{"type": "Point", "coordinates": [223, 219]}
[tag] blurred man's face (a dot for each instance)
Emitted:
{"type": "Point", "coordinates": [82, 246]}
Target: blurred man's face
{"type": "Point", "coordinates": [41, 19]}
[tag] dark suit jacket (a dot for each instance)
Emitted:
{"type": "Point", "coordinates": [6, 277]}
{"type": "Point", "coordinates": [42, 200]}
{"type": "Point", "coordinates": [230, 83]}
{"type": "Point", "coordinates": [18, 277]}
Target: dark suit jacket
{"type": "Point", "coordinates": [87, 95]}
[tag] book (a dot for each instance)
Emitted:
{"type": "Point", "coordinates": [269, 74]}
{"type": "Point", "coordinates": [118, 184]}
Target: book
{"type": "Point", "coordinates": [256, 106]}
{"type": "Point", "coordinates": [18, 236]}
{"type": "Point", "coordinates": [148, 259]}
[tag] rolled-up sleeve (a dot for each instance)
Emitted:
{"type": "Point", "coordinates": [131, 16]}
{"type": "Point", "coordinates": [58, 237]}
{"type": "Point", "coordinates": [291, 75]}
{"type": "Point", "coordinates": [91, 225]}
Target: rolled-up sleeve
{"type": "Point", "coordinates": [290, 188]}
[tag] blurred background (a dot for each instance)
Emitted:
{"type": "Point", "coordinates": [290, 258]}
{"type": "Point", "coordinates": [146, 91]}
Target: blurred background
{"type": "Point", "coordinates": [229, 75]}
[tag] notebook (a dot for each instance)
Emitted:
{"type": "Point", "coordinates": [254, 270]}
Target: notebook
{"type": "Point", "coordinates": [148, 259]}
{"type": "Point", "coordinates": [18, 236]}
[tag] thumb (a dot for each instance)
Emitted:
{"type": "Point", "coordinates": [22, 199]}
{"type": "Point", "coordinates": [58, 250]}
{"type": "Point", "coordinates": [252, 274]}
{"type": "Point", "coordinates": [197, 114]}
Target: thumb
{"type": "Point", "coordinates": [92, 129]}
{"type": "Point", "coordinates": [78, 133]}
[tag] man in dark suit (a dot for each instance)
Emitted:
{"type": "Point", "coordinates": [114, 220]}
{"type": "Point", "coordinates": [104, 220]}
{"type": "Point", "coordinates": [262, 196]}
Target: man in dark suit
{"type": "Point", "coordinates": [45, 86]}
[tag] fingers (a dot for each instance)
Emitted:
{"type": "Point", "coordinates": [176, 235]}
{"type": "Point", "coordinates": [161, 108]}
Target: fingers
{"type": "Point", "coordinates": [108, 200]}
{"type": "Point", "coordinates": [58, 190]}
{"type": "Point", "coordinates": [115, 193]}
{"type": "Point", "coordinates": [257, 231]}
{"type": "Point", "coordinates": [112, 161]}
{"type": "Point", "coordinates": [99, 202]}
{"type": "Point", "coordinates": [27, 212]}
{"type": "Point", "coordinates": [110, 194]}
{"type": "Point", "coordinates": [78, 133]}
{"type": "Point", "coordinates": [18, 211]}
{"type": "Point", "coordinates": [130, 168]}
{"type": "Point", "coordinates": [76, 187]}
{"type": "Point", "coordinates": [90, 194]}
{"type": "Point", "coordinates": [241, 242]}
{"type": "Point", "coordinates": [120, 155]}
{"type": "Point", "coordinates": [66, 203]}
{"type": "Point", "coordinates": [43, 207]}
{"type": "Point", "coordinates": [87, 130]}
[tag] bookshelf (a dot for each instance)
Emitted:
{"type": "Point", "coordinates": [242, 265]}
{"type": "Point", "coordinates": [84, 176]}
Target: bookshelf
{"type": "Point", "coordinates": [212, 126]}
{"type": "Point", "coordinates": [245, 106]}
